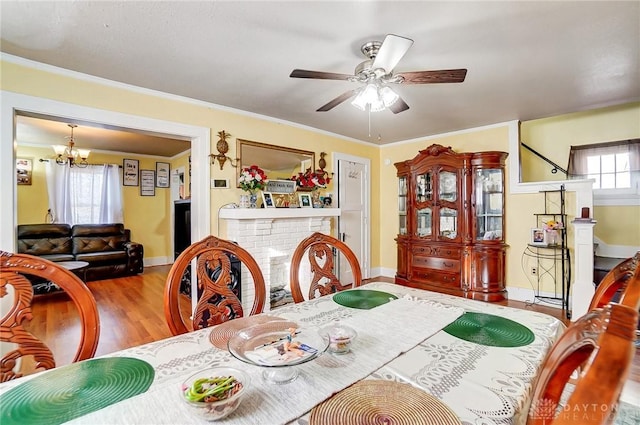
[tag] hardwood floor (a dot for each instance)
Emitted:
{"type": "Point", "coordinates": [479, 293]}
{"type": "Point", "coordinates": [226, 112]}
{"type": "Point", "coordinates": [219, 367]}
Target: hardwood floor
{"type": "Point", "coordinates": [132, 313]}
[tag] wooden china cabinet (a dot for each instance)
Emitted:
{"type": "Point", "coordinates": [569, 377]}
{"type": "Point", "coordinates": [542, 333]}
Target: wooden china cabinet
{"type": "Point", "coordinates": [451, 223]}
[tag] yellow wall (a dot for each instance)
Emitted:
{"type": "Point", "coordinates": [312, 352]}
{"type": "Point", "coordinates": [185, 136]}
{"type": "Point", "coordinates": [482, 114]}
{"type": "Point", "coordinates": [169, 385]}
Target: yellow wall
{"type": "Point", "coordinates": [553, 138]}
{"type": "Point", "coordinates": [520, 208]}
{"type": "Point", "coordinates": [33, 201]}
{"type": "Point", "coordinates": [150, 229]}
{"type": "Point", "coordinates": [33, 82]}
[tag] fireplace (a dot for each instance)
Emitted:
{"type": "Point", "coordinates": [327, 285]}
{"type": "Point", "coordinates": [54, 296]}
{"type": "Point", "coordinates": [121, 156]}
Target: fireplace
{"type": "Point", "coordinates": [271, 235]}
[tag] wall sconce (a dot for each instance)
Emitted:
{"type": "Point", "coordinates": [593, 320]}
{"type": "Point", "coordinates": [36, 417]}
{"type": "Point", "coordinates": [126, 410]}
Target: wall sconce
{"type": "Point", "coordinates": [223, 148]}
{"type": "Point", "coordinates": [322, 163]}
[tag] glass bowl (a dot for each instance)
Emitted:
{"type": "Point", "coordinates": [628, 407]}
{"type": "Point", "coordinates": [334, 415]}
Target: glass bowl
{"type": "Point", "coordinates": [265, 345]}
{"type": "Point", "coordinates": [214, 410]}
{"type": "Point", "coordinates": [340, 337]}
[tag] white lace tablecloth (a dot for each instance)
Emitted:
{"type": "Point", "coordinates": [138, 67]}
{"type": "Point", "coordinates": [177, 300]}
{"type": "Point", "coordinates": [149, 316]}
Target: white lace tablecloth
{"type": "Point", "coordinates": [401, 340]}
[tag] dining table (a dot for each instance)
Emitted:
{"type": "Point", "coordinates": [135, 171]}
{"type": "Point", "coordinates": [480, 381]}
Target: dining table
{"type": "Point", "coordinates": [471, 362]}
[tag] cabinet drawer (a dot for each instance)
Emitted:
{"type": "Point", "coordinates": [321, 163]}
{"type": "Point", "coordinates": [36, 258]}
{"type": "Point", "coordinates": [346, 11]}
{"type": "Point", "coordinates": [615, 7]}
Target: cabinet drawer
{"type": "Point", "coordinates": [437, 277]}
{"type": "Point", "coordinates": [436, 263]}
{"type": "Point", "coordinates": [438, 251]}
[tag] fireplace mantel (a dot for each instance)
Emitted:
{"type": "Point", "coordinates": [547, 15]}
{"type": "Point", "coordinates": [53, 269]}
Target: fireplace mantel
{"type": "Point", "coordinates": [271, 235]}
{"type": "Point", "coordinates": [276, 213]}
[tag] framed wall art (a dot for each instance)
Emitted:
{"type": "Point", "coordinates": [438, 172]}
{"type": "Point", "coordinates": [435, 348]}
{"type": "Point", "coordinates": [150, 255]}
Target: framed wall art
{"type": "Point", "coordinates": [130, 173]}
{"type": "Point", "coordinates": [163, 173]}
{"type": "Point", "coordinates": [147, 183]}
{"type": "Point", "coordinates": [24, 168]}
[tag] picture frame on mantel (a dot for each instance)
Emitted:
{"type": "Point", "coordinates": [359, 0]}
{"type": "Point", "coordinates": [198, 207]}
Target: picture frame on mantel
{"type": "Point", "coordinates": [305, 200]}
{"type": "Point", "coordinates": [267, 200]}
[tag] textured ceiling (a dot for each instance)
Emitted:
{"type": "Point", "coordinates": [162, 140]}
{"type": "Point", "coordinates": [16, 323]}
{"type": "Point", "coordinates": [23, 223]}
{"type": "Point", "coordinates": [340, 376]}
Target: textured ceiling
{"type": "Point", "coordinates": [525, 60]}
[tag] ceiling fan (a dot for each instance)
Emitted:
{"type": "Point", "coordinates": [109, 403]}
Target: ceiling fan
{"type": "Point", "coordinates": [376, 73]}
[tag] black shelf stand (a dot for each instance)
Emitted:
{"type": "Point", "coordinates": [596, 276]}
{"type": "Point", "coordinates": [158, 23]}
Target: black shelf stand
{"type": "Point", "coordinates": [552, 262]}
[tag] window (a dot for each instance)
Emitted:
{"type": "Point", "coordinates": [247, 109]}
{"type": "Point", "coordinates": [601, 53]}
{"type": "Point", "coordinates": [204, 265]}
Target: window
{"type": "Point", "coordinates": [614, 167]}
{"type": "Point", "coordinates": [610, 171]}
{"type": "Point", "coordinates": [89, 195]}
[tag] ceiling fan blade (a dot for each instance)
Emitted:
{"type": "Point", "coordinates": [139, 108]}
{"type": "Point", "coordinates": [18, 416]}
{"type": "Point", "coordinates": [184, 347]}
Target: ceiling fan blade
{"type": "Point", "coordinates": [302, 73]}
{"type": "Point", "coordinates": [399, 106]}
{"type": "Point", "coordinates": [392, 50]}
{"type": "Point", "coordinates": [432, 77]}
{"type": "Point", "coordinates": [338, 100]}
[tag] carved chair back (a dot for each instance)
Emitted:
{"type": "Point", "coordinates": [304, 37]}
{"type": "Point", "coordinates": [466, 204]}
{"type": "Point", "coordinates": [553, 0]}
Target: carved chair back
{"type": "Point", "coordinates": [217, 303]}
{"type": "Point", "coordinates": [322, 251]}
{"type": "Point", "coordinates": [600, 345]}
{"type": "Point", "coordinates": [14, 269]}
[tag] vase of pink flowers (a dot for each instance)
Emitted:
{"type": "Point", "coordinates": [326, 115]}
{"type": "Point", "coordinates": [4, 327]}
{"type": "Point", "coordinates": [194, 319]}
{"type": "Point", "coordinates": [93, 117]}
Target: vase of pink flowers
{"type": "Point", "coordinates": [252, 179]}
{"type": "Point", "coordinates": [552, 228]}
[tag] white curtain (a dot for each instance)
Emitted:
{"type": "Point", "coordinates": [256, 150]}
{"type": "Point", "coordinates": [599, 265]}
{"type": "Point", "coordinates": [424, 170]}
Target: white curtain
{"type": "Point", "coordinates": [111, 202]}
{"type": "Point", "coordinates": [578, 155]}
{"type": "Point", "coordinates": [58, 189]}
{"type": "Point", "coordinates": [84, 195]}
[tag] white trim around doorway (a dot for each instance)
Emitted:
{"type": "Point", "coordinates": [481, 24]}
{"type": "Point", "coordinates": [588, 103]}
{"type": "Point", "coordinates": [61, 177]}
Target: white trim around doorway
{"type": "Point", "coordinates": [336, 157]}
{"type": "Point", "coordinates": [14, 103]}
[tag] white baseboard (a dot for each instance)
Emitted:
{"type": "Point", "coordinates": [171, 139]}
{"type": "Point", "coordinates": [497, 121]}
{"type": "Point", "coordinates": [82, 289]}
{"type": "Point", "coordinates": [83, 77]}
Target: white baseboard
{"type": "Point", "coordinates": [383, 272]}
{"type": "Point", "coordinates": [527, 295]}
{"type": "Point", "coordinates": [157, 261]}
{"type": "Point", "coordinates": [515, 293]}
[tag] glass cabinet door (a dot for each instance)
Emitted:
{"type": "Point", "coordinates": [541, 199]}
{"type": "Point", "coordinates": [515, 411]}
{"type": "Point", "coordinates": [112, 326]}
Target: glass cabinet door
{"type": "Point", "coordinates": [402, 205]}
{"type": "Point", "coordinates": [424, 187]}
{"type": "Point", "coordinates": [447, 197]}
{"type": "Point", "coordinates": [447, 186]}
{"type": "Point", "coordinates": [424, 220]}
{"type": "Point", "coordinates": [489, 204]}
{"type": "Point", "coordinates": [448, 223]}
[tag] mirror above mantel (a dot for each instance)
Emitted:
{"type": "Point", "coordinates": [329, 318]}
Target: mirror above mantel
{"type": "Point", "coordinates": [278, 162]}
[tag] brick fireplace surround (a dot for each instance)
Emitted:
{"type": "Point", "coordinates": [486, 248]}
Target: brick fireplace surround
{"type": "Point", "coordinates": [271, 236]}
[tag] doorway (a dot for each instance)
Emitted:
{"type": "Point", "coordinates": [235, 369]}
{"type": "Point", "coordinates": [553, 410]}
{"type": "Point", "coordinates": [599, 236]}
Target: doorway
{"type": "Point", "coordinates": [13, 103]}
{"type": "Point", "coordinates": [353, 199]}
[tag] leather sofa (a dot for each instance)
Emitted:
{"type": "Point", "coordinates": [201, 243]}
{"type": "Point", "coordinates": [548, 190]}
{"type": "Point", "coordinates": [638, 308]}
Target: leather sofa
{"type": "Point", "coordinates": [106, 247]}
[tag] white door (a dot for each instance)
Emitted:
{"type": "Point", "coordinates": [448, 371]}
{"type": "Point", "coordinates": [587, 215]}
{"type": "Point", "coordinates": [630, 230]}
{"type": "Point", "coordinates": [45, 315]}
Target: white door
{"type": "Point", "coordinates": [353, 201]}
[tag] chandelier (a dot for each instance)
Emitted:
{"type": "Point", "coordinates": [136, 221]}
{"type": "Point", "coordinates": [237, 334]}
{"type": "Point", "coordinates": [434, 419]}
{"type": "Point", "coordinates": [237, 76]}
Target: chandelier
{"type": "Point", "coordinates": [71, 155]}
{"type": "Point", "coordinates": [374, 98]}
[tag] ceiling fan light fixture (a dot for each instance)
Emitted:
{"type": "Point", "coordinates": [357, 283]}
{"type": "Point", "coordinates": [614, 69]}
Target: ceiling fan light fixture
{"type": "Point", "coordinates": [388, 96]}
{"type": "Point", "coordinates": [359, 101]}
{"type": "Point", "coordinates": [375, 99]}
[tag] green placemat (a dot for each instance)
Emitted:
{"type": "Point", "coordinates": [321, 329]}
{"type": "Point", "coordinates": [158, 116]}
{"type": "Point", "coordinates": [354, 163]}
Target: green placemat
{"type": "Point", "coordinates": [487, 329]}
{"type": "Point", "coordinates": [363, 298]}
{"type": "Point", "coordinates": [71, 391]}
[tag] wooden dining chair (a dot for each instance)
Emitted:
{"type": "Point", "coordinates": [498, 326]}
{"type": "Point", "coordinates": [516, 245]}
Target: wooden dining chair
{"type": "Point", "coordinates": [601, 346]}
{"type": "Point", "coordinates": [217, 303]}
{"type": "Point", "coordinates": [322, 251]}
{"type": "Point", "coordinates": [15, 270]}
{"type": "Point", "coordinates": [625, 277]}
